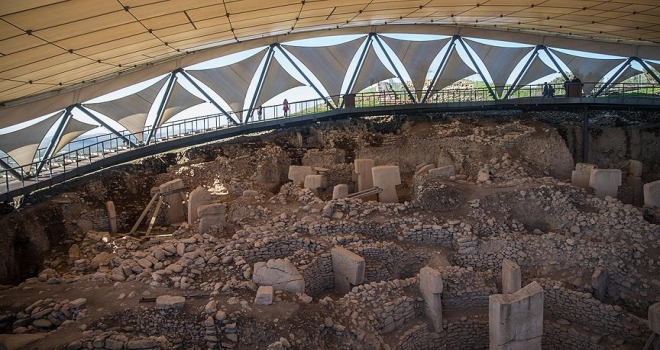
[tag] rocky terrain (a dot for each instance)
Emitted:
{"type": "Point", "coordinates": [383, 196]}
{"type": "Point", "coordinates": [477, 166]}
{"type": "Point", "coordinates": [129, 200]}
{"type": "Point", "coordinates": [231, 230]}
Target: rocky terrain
{"type": "Point", "coordinates": [79, 286]}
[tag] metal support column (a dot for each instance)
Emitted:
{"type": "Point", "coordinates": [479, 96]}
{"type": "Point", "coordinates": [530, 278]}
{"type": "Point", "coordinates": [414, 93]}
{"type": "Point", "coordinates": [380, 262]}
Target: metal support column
{"type": "Point", "coordinates": [11, 170]}
{"type": "Point", "coordinates": [585, 138]}
{"type": "Point", "coordinates": [161, 107]}
{"type": "Point", "coordinates": [481, 74]}
{"type": "Point", "coordinates": [104, 124]}
{"type": "Point", "coordinates": [207, 96]}
{"type": "Point", "coordinates": [327, 102]}
{"type": "Point", "coordinates": [441, 67]}
{"type": "Point", "coordinates": [647, 68]}
{"type": "Point", "coordinates": [398, 74]}
{"type": "Point", "coordinates": [357, 69]}
{"type": "Point", "coordinates": [554, 61]}
{"type": "Point", "coordinates": [56, 138]}
{"type": "Point", "coordinates": [257, 91]}
{"type": "Point", "coordinates": [616, 75]}
{"type": "Point", "coordinates": [522, 72]}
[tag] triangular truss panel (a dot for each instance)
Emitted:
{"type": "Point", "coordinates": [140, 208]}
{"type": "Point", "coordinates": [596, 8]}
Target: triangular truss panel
{"type": "Point", "coordinates": [230, 82]}
{"type": "Point", "coordinates": [74, 128]}
{"type": "Point", "coordinates": [454, 70]}
{"type": "Point", "coordinates": [653, 65]}
{"type": "Point", "coordinates": [180, 99]}
{"type": "Point", "coordinates": [130, 111]}
{"type": "Point", "coordinates": [371, 72]}
{"type": "Point", "coordinates": [276, 80]}
{"type": "Point", "coordinates": [536, 70]}
{"type": "Point", "coordinates": [500, 61]}
{"type": "Point", "coordinates": [328, 63]}
{"type": "Point", "coordinates": [22, 144]}
{"type": "Point", "coordinates": [589, 70]}
{"type": "Point", "coordinates": [416, 57]}
{"type": "Point", "coordinates": [627, 73]}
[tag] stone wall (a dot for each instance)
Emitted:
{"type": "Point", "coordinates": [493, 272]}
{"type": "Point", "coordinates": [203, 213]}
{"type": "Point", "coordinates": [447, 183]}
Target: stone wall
{"type": "Point", "coordinates": [465, 288]}
{"type": "Point", "coordinates": [318, 274]}
{"type": "Point", "coordinates": [469, 333]}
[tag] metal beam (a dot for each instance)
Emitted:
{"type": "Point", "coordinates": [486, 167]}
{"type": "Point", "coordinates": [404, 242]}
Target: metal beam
{"type": "Point", "coordinates": [522, 72]}
{"type": "Point", "coordinates": [208, 97]}
{"type": "Point", "coordinates": [648, 69]}
{"type": "Point", "coordinates": [161, 107]}
{"type": "Point", "coordinates": [56, 138]}
{"type": "Point", "coordinates": [441, 68]}
{"type": "Point", "coordinates": [398, 74]}
{"type": "Point", "coordinates": [481, 74]}
{"type": "Point", "coordinates": [104, 124]}
{"type": "Point", "coordinates": [554, 61]}
{"type": "Point", "coordinates": [327, 102]}
{"type": "Point", "coordinates": [257, 91]}
{"type": "Point", "coordinates": [357, 69]}
{"type": "Point", "coordinates": [11, 170]}
{"type": "Point", "coordinates": [613, 77]}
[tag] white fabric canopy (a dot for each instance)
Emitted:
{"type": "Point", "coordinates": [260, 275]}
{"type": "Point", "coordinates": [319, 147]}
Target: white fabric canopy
{"type": "Point", "coordinates": [536, 70]}
{"type": "Point", "coordinates": [500, 61]}
{"type": "Point", "coordinates": [130, 111]}
{"type": "Point", "coordinates": [328, 63]}
{"type": "Point", "coordinates": [627, 73]}
{"type": "Point", "coordinates": [74, 128]}
{"type": "Point", "coordinates": [654, 65]}
{"type": "Point", "coordinates": [589, 70]}
{"type": "Point", "coordinates": [371, 72]}
{"type": "Point", "coordinates": [277, 80]}
{"type": "Point", "coordinates": [180, 100]}
{"type": "Point", "coordinates": [454, 70]}
{"type": "Point", "coordinates": [22, 144]}
{"type": "Point", "coordinates": [416, 57]}
{"type": "Point", "coordinates": [231, 82]}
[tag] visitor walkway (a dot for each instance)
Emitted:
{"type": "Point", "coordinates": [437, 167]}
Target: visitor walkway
{"type": "Point", "coordinates": [92, 154]}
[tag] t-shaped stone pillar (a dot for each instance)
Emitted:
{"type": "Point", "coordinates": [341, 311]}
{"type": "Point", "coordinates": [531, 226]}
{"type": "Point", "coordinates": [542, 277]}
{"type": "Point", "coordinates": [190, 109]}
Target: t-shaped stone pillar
{"type": "Point", "coordinates": [174, 200]}
{"type": "Point", "coordinates": [387, 177]}
{"type": "Point", "coordinates": [516, 320]}
{"type": "Point", "coordinates": [198, 197]}
{"type": "Point", "coordinates": [365, 178]}
{"type": "Point", "coordinates": [298, 173]}
{"type": "Point", "coordinates": [430, 285]}
{"type": "Point", "coordinates": [511, 277]}
{"type": "Point", "coordinates": [348, 268]}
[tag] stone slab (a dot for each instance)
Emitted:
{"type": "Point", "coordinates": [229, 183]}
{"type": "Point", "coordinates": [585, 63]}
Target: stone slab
{"type": "Point", "coordinates": [605, 182]}
{"type": "Point", "coordinates": [211, 215]}
{"type": "Point", "coordinates": [652, 194]}
{"type": "Point", "coordinates": [281, 274]}
{"type": "Point", "coordinates": [511, 277]}
{"type": "Point", "coordinates": [654, 318]}
{"type": "Point", "coordinates": [112, 215]}
{"type": "Point", "coordinates": [197, 198]}
{"type": "Point", "coordinates": [365, 178]}
{"type": "Point", "coordinates": [314, 182]}
{"type": "Point", "coordinates": [297, 173]}
{"type": "Point", "coordinates": [264, 295]}
{"type": "Point", "coordinates": [348, 267]}
{"type": "Point", "coordinates": [516, 320]}
{"type": "Point", "coordinates": [446, 171]}
{"type": "Point", "coordinates": [174, 201]}
{"type": "Point", "coordinates": [580, 178]}
{"type": "Point", "coordinates": [19, 341]}
{"type": "Point", "coordinates": [170, 302]}
{"type": "Point", "coordinates": [340, 191]}
{"type": "Point", "coordinates": [430, 286]}
{"type": "Point", "coordinates": [387, 177]}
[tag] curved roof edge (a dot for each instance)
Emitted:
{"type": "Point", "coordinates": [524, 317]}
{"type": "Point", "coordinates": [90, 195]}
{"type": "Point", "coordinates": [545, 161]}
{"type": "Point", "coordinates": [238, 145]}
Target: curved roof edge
{"type": "Point", "coordinates": [29, 107]}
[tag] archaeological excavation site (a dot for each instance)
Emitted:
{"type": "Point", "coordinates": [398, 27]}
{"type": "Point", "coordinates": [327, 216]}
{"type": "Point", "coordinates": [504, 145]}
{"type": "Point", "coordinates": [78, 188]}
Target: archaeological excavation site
{"type": "Point", "coordinates": [497, 230]}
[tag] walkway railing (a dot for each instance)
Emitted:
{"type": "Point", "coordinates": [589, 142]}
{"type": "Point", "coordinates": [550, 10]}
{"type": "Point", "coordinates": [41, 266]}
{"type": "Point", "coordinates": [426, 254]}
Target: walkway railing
{"type": "Point", "coordinates": [84, 151]}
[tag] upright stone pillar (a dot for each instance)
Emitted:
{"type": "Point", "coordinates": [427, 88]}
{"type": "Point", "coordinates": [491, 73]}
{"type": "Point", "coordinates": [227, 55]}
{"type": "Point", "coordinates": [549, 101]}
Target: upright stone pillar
{"type": "Point", "coordinates": [652, 194]}
{"type": "Point", "coordinates": [654, 318]}
{"type": "Point", "coordinates": [605, 182]}
{"type": "Point", "coordinates": [634, 180]}
{"type": "Point", "coordinates": [314, 182]}
{"type": "Point", "coordinates": [348, 268]}
{"type": "Point", "coordinates": [430, 285]}
{"type": "Point", "coordinates": [340, 191]}
{"type": "Point", "coordinates": [112, 215]}
{"type": "Point", "coordinates": [511, 277]}
{"type": "Point", "coordinates": [387, 177]}
{"type": "Point", "coordinates": [174, 201]}
{"type": "Point", "coordinates": [516, 320]}
{"type": "Point", "coordinates": [211, 215]}
{"type": "Point", "coordinates": [365, 178]}
{"type": "Point", "coordinates": [599, 283]}
{"type": "Point", "coordinates": [198, 197]}
{"type": "Point", "coordinates": [297, 173]}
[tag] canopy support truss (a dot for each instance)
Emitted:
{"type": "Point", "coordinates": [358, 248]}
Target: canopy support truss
{"type": "Point", "coordinates": [398, 74]}
{"type": "Point", "coordinates": [105, 125]}
{"type": "Point", "coordinates": [450, 47]}
{"type": "Point", "coordinates": [56, 138]}
{"type": "Point", "coordinates": [269, 57]}
{"type": "Point", "coordinates": [481, 74]}
{"type": "Point", "coordinates": [614, 76]}
{"type": "Point", "coordinates": [367, 43]}
{"type": "Point", "coordinates": [522, 72]}
{"type": "Point", "coordinates": [647, 68]}
{"type": "Point", "coordinates": [286, 55]}
{"type": "Point", "coordinates": [161, 107]}
{"type": "Point", "coordinates": [11, 170]}
{"type": "Point", "coordinates": [230, 119]}
{"type": "Point", "coordinates": [554, 61]}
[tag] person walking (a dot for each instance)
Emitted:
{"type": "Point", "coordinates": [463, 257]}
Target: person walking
{"type": "Point", "coordinates": [260, 112]}
{"type": "Point", "coordinates": [546, 90]}
{"type": "Point", "coordinates": [285, 107]}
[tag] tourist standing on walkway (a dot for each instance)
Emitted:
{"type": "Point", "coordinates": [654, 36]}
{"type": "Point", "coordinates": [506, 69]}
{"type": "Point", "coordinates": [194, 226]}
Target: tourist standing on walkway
{"type": "Point", "coordinates": [260, 112]}
{"type": "Point", "coordinates": [285, 107]}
